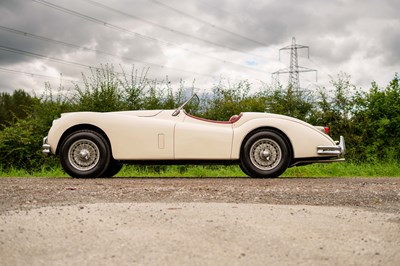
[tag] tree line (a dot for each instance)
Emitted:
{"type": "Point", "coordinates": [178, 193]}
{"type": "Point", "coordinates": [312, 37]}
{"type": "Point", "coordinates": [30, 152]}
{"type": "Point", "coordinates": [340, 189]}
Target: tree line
{"type": "Point", "coordinates": [369, 119]}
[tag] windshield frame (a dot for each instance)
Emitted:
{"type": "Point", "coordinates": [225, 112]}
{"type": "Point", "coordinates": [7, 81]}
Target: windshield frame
{"type": "Point", "coordinates": [180, 108]}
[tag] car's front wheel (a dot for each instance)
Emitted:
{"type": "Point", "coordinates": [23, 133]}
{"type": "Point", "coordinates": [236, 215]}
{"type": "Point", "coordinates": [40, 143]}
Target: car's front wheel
{"type": "Point", "coordinates": [85, 154]}
{"type": "Point", "coordinates": [265, 154]}
{"type": "Point", "coordinates": [113, 169]}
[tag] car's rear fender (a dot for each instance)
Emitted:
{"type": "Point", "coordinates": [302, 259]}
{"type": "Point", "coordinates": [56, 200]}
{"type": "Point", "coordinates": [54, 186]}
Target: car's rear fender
{"type": "Point", "coordinates": [304, 138]}
{"type": "Point", "coordinates": [273, 129]}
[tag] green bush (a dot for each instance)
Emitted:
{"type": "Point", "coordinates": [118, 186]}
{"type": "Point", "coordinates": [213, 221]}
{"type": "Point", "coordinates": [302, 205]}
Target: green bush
{"type": "Point", "coordinates": [231, 100]}
{"type": "Point", "coordinates": [14, 106]}
{"type": "Point", "coordinates": [20, 146]}
{"type": "Point", "coordinates": [377, 120]}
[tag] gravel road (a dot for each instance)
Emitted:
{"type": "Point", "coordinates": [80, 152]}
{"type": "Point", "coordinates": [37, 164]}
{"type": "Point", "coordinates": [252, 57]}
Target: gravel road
{"type": "Point", "coordinates": [225, 221]}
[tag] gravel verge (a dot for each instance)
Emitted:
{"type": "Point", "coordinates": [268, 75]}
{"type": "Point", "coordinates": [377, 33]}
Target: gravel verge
{"type": "Point", "coordinates": [225, 221]}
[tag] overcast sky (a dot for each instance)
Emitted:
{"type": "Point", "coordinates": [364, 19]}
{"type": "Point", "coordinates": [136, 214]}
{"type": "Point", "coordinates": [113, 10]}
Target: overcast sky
{"type": "Point", "coordinates": [201, 40]}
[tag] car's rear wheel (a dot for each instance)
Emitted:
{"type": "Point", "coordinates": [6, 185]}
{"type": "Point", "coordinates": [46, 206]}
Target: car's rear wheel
{"type": "Point", "coordinates": [85, 154]}
{"type": "Point", "coordinates": [265, 154]}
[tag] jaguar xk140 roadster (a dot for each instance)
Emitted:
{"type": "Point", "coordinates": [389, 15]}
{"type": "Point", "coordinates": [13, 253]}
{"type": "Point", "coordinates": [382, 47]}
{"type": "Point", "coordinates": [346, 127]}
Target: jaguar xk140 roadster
{"type": "Point", "coordinates": [264, 145]}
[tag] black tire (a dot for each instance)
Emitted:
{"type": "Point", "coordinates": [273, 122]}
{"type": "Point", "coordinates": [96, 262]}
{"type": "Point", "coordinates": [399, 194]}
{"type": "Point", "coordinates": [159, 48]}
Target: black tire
{"type": "Point", "coordinates": [113, 169]}
{"type": "Point", "coordinates": [85, 154]}
{"type": "Point", "coordinates": [244, 170]}
{"type": "Point", "coordinates": [265, 154]}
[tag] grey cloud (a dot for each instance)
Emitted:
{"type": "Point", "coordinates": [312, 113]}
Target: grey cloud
{"type": "Point", "coordinates": [390, 43]}
{"type": "Point", "coordinates": [335, 30]}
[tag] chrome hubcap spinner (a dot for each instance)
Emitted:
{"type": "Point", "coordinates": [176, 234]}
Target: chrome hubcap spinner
{"type": "Point", "coordinates": [265, 154]}
{"type": "Point", "coordinates": [83, 155]}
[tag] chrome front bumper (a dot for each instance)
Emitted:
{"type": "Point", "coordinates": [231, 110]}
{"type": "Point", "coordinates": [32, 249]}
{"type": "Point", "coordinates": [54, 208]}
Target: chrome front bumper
{"type": "Point", "coordinates": [46, 147]}
{"type": "Point", "coordinates": [338, 150]}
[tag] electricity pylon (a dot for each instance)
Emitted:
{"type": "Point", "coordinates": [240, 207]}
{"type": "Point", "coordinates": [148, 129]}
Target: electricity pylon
{"type": "Point", "coordinates": [294, 69]}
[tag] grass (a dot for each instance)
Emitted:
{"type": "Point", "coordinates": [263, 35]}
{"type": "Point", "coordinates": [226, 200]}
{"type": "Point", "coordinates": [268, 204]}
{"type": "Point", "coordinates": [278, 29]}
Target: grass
{"type": "Point", "coordinates": [44, 172]}
{"type": "Point", "coordinates": [346, 169]}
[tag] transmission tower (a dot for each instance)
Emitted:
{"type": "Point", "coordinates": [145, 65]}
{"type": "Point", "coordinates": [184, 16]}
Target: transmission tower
{"type": "Point", "coordinates": [294, 69]}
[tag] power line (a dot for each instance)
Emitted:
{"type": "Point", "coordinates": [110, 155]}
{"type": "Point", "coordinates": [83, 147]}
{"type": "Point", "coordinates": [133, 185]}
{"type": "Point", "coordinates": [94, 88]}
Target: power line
{"type": "Point", "coordinates": [42, 38]}
{"type": "Point", "coordinates": [121, 29]}
{"type": "Point", "coordinates": [320, 67]}
{"type": "Point", "coordinates": [27, 53]}
{"type": "Point", "coordinates": [63, 61]}
{"type": "Point", "coordinates": [101, 22]}
{"type": "Point", "coordinates": [169, 29]}
{"type": "Point", "coordinates": [208, 23]}
{"type": "Point", "coordinates": [7, 70]}
{"type": "Point", "coordinates": [31, 54]}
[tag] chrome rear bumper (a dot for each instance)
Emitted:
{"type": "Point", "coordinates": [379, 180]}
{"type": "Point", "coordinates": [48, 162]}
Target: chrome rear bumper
{"type": "Point", "coordinates": [46, 147]}
{"type": "Point", "coordinates": [329, 154]}
{"type": "Point", "coordinates": [338, 150]}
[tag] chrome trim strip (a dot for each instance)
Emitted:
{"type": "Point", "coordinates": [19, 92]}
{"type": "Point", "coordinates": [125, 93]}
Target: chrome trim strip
{"type": "Point", "coordinates": [338, 150]}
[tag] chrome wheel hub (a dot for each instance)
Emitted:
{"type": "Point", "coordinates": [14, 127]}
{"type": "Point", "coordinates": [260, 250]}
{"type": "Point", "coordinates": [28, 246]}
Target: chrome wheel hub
{"type": "Point", "coordinates": [265, 154]}
{"type": "Point", "coordinates": [83, 155]}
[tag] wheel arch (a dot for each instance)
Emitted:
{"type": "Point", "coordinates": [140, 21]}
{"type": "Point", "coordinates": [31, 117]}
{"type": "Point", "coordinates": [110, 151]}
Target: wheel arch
{"type": "Point", "coordinates": [267, 128]}
{"type": "Point", "coordinates": [75, 128]}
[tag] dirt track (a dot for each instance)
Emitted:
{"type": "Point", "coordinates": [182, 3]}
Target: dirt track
{"type": "Point", "coordinates": [327, 221]}
{"type": "Point", "coordinates": [380, 194]}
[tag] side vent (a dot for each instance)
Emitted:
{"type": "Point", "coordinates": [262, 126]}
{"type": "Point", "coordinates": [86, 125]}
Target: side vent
{"type": "Point", "coordinates": [161, 141]}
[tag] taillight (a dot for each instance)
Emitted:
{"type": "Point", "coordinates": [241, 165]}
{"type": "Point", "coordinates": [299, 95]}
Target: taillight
{"type": "Point", "coordinates": [326, 130]}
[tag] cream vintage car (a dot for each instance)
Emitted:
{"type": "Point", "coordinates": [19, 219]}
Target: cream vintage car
{"type": "Point", "coordinates": [264, 145]}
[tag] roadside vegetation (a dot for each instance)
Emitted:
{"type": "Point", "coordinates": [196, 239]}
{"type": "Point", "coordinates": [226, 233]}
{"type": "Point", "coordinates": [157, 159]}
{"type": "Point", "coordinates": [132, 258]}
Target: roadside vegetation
{"type": "Point", "coordinates": [369, 119]}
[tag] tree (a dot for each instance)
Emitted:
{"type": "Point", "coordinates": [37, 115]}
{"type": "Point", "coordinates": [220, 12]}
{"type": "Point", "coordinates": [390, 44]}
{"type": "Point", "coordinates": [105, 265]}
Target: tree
{"type": "Point", "coordinates": [377, 116]}
{"type": "Point", "coordinates": [334, 108]}
{"type": "Point", "coordinates": [14, 106]}
{"type": "Point", "coordinates": [227, 101]}
{"type": "Point", "coordinates": [289, 101]}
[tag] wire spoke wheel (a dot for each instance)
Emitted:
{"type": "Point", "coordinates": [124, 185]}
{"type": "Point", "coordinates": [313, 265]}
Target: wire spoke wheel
{"type": "Point", "coordinates": [84, 154]}
{"type": "Point", "coordinates": [265, 154]}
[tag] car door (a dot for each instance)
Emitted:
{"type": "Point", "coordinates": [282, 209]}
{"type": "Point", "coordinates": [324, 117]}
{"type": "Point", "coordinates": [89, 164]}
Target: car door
{"type": "Point", "coordinates": [199, 139]}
